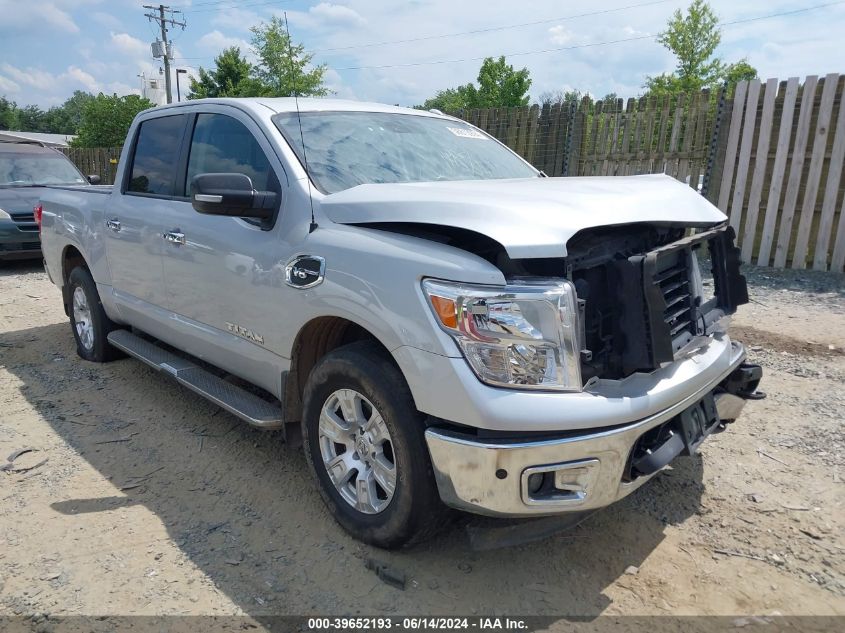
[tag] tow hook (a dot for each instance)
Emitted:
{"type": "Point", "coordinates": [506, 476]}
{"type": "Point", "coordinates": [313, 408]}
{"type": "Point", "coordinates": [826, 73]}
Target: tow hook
{"type": "Point", "coordinates": [743, 382]}
{"type": "Point", "coordinates": [733, 392]}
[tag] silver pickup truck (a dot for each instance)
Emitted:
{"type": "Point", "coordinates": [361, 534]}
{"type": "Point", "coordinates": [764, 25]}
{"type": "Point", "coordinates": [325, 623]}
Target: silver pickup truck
{"type": "Point", "coordinates": [447, 326]}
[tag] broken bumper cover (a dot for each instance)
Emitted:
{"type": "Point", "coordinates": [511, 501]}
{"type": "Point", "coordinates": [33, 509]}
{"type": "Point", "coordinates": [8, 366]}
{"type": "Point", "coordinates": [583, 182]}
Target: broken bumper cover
{"type": "Point", "coordinates": [581, 470]}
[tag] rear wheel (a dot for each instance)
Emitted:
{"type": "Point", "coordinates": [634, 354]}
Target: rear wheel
{"type": "Point", "coordinates": [88, 320]}
{"type": "Point", "coordinates": [365, 444]}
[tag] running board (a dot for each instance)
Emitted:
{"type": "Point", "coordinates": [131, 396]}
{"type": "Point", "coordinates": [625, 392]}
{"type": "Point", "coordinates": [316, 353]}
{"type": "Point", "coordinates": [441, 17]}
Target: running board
{"type": "Point", "coordinates": [242, 403]}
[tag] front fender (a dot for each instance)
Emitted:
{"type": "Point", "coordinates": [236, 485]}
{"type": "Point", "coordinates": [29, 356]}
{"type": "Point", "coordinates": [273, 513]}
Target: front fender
{"type": "Point", "coordinates": [373, 279]}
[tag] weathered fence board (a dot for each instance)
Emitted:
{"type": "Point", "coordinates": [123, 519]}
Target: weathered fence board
{"type": "Point", "coordinates": [811, 191]}
{"type": "Point", "coordinates": [733, 144]}
{"type": "Point", "coordinates": [801, 135]}
{"type": "Point", "coordinates": [757, 180]}
{"type": "Point", "coordinates": [748, 126]}
{"type": "Point", "coordinates": [831, 191]}
{"type": "Point", "coordinates": [778, 171]}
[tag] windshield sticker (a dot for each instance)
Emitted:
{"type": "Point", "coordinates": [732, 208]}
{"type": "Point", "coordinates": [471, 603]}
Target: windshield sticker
{"type": "Point", "coordinates": [465, 132]}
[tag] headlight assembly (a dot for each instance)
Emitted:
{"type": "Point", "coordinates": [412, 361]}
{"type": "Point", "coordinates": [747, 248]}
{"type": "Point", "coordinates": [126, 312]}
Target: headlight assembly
{"type": "Point", "coordinates": [520, 336]}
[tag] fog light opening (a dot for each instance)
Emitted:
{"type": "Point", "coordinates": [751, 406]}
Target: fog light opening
{"type": "Point", "coordinates": [535, 482]}
{"type": "Point", "coordinates": [568, 483]}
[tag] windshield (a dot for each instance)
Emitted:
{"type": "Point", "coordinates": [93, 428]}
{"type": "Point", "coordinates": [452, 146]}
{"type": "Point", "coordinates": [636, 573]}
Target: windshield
{"type": "Point", "coordinates": [26, 169]}
{"type": "Point", "coordinates": [345, 149]}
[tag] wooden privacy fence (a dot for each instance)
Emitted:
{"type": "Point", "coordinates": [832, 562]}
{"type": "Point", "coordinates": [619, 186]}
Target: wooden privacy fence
{"type": "Point", "coordinates": [668, 135]}
{"type": "Point", "coordinates": [650, 135]}
{"type": "Point", "coordinates": [782, 171]}
{"type": "Point", "coordinates": [95, 160]}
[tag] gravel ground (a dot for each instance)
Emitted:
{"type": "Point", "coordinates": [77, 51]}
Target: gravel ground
{"type": "Point", "coordinates": [153, 501]}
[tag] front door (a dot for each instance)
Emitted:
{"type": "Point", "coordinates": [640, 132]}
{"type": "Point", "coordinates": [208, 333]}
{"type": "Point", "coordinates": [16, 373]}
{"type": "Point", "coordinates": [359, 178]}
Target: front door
{"type": "Point", "coordinates": [135, 220]}
{"type": "Point", "coordinates": [220, 278]}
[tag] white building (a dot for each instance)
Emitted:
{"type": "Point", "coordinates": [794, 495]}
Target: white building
{"type": "Point", "coordinates": [153, 88]}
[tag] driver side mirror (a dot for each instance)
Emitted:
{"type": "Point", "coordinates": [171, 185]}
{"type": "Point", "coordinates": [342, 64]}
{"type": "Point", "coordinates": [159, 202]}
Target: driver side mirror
{"type": "Point", "coordinates": [231, 195]}
{"type": "Point", "coordinates": [94, 179]}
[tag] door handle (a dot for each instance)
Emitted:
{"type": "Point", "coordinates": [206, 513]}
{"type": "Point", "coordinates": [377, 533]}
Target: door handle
{"type": "Point", "coordinates": [174, 237]}
{"type": "Point", "coordinates": [114, 225]}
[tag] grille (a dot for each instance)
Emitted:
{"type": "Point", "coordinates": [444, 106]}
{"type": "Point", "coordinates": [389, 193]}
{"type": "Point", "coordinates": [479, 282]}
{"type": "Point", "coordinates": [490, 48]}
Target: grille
{"type": "Point", "coordinates": [679, 305]}
{"type": "Point", "coordinates": [25, 221]}
{"type": "Point", "coordinates": [12, 247]}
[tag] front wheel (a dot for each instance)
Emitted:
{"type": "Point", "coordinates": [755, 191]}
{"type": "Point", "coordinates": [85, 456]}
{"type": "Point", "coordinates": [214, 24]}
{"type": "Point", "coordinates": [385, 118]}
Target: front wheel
{"type": "Point", "coordinates": [365, 443]}
{"type": "Point", "coordinates": [89, 321]}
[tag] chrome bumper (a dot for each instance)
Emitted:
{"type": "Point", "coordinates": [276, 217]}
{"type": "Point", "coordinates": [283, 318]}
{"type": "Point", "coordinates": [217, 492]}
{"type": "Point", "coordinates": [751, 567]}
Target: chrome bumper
{"type": "Point", "coordinates": [492, 477]}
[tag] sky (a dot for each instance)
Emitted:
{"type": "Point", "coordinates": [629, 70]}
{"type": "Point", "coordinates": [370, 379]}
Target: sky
{"type": "Point", "coordinates": [383, 51]}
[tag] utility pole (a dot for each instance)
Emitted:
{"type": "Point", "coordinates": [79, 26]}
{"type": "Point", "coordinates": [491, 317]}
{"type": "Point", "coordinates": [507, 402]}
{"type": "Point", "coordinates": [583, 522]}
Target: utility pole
{"type": "Point", "coordinates": [163, 21]}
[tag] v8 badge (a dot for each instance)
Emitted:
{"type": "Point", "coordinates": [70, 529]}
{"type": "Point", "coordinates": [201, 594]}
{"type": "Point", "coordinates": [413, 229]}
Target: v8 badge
{"type": "Point", "coordinates": [305, 271]}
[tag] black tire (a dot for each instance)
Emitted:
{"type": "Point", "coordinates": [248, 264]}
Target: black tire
{"type": "Point", "coordinates": [415, 511]}
{"type": "Point", "coordinates": [99, 351]}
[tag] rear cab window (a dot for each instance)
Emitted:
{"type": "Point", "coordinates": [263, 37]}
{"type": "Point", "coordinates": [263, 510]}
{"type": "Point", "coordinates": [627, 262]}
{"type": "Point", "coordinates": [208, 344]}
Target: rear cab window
{"type": "Point", "coordinates": [155, 160]}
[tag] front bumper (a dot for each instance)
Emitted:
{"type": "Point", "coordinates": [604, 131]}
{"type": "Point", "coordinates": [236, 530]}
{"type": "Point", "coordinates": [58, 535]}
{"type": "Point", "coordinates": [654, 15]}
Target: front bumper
{"type": "Point", "coordinates": [18, 241]}
{"type": "Point", "coordinates": [591, 468]}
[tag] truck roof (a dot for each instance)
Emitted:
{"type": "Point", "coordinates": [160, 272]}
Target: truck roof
{"type": "Point", "coordinates": [306, 104]}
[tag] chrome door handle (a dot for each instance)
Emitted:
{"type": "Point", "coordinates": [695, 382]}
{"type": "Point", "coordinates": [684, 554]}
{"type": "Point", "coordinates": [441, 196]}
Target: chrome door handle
{"type": "Point", "coordinates": [174, 237]}
{"type": "Point", "coordinates": [114, 225]}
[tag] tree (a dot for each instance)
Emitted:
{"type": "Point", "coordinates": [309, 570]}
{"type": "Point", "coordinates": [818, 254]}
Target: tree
{"type": "Point", "coordinates": [9, 117]}
{"type": "Point", "coordinates": [561, 97]}
{"type": "Point", "coordinates": [67, 118]}
{"type": "Point", "coordinates": [106, 120]}
{"type": "Point", "coordinates": [282, 68]}
{"type": "Point", "coordinates": [693, 38]}
{"type": "Point", "coordinates": [31, 119]}
{"type": "Point", "coordinates": [453, 99]}
{"type": "Point", "coordinates": [229, 78]}
{"type": "Point", "coordinates": [63, 119]}
{"type": "Point", "coordinates": [740, 71]}
{"type": "Point", "coordinates": [499, 85]}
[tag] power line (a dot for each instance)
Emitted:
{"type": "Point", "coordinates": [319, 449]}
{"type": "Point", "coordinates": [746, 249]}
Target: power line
{"type": "Point", "coordinates": [491, 29]}
{"type": "Point", "coordinates": [588, 45]}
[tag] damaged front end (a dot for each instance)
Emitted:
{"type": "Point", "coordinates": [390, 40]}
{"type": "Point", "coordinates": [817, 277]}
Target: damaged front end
{"type": "Point", "coordinates": [650, 295]}
{"type": "Point", "coordinates": [658, 374]}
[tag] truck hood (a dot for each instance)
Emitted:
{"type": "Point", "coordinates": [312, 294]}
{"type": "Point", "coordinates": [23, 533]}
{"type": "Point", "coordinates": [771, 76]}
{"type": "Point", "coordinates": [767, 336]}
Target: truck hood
{"type": "Point", "coordinates": [20, 199]}
{"type": "Point", "coordinates": [529, 217]}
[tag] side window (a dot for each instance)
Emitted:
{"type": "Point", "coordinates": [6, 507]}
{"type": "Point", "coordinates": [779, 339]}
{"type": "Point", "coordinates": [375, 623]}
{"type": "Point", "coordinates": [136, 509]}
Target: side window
{"type": "Point", "coordinates": [222, 144]}
{"type": "Point", "coordinates": [154, 164]}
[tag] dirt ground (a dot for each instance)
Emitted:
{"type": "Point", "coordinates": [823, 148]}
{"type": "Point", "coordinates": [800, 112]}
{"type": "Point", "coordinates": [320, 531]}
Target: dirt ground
{"type": "Point", "coordinates": [153, 501]}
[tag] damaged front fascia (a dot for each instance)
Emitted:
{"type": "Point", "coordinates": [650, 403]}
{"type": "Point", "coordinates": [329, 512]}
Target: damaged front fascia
{"type": "Point", "coordinates": [624, 259]}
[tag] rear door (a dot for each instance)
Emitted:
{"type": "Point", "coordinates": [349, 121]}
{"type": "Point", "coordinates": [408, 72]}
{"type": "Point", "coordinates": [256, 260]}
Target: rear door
{"type": "Point", "coordinates": [135, 220]}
